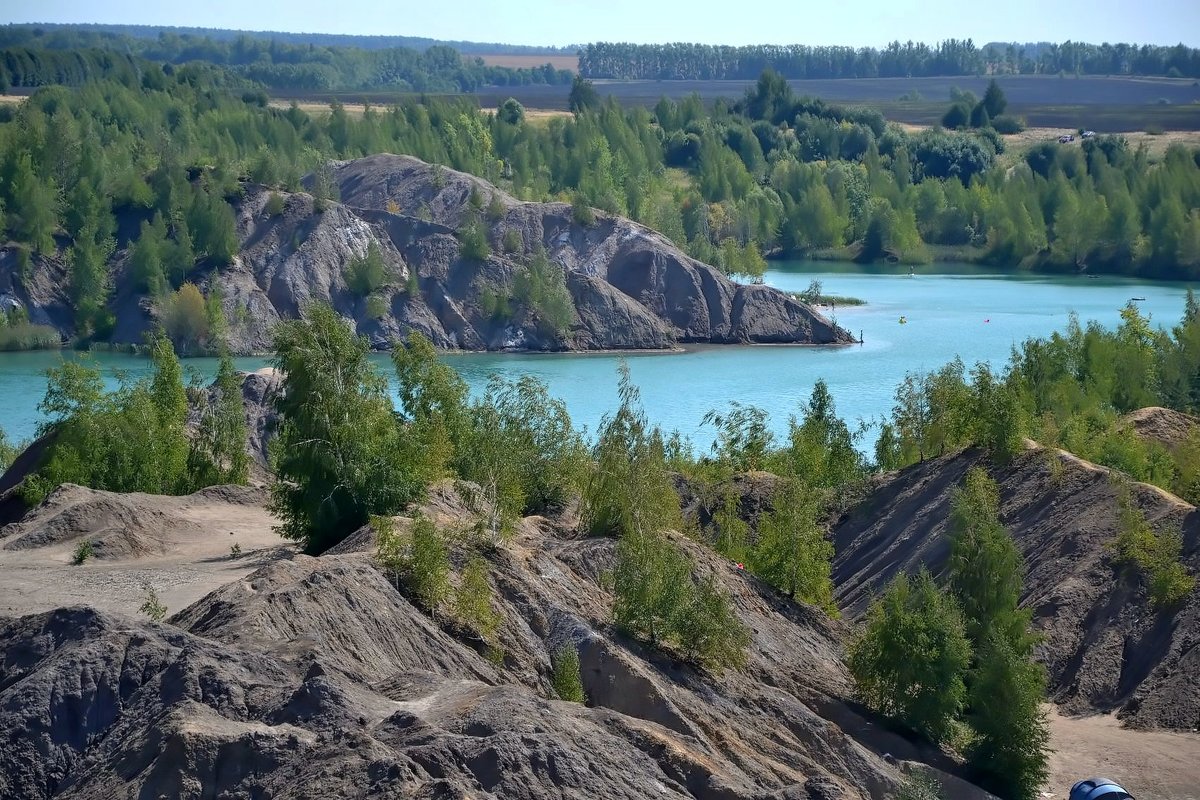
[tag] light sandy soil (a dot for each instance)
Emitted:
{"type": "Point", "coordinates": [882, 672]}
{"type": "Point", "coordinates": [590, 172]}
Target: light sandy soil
{"type": "Point", "coordinates": [1153, 765]}
{"type": "Point", "coordinates": [192, 565]}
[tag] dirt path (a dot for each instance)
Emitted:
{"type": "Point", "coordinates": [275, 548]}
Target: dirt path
{"type": "Point", "coordinates": [1153, 765]}
{"type": "Point", "coordinates": [195, 559]}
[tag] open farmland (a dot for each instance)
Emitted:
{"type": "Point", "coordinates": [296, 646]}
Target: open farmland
{"type": "Point", "coordinates": [1119, 104]}
{"type": "Point", "coordinates": [521, 61]}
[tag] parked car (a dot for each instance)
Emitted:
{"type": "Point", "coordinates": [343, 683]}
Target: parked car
{"type": "Point", "coordinates": [1087, 135]}
{"type": "Point", "coordinates": [1066, 138]}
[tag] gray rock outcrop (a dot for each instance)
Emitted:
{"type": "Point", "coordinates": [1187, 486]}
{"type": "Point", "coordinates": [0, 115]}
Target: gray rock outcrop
{"type": "Point", "coordinates": [316, 678]}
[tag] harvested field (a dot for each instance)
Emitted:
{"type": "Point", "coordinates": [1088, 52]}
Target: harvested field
{"type": "Point", "coordinates": [527, 61]}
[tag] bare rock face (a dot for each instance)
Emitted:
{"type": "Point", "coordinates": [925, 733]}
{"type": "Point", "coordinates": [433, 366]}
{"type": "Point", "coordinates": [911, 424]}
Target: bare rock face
{"type": "Point", "coordinates": [631, 288]}
{"type": "Point", "coordinates": [1106, 647]}
{"type": "Point", "coordinates": [316, 678]}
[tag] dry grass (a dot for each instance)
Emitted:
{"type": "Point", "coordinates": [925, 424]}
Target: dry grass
{"type": "Point", "coordinates": [528, 62]}
{"type": "Point", "coordinates": [1156, 144]}
{"type": "Point", "coordinates": [538, 117]}
{"type": "Point", "coordinates": [11, 99]}
{"type": "Point", "coordinates": [1018, 144]}
{"type": "Point", "coordinates": [320, 109]}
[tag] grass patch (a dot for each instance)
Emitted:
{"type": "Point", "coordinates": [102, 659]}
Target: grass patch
{"type": "Point", "coordinates": [840, 300]}
{"type": "Point", "coordinates": [26, 336]}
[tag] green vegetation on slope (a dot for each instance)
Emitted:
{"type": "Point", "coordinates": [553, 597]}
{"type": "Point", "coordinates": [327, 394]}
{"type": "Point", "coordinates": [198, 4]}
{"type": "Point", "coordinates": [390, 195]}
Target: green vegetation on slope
{"type": "Point", "coordinates": [935, 659]}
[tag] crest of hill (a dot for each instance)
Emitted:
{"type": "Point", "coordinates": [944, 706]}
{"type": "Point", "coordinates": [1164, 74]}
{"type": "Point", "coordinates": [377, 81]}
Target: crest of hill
{"type": "Point", "coordinates": [1163, 425]}
{"type": "Point", "coordinates": [1106, 647]}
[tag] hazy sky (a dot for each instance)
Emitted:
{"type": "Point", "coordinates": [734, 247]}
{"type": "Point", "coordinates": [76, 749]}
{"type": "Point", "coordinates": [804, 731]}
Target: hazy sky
{"type": "Point", "coordinates": [562, 22]}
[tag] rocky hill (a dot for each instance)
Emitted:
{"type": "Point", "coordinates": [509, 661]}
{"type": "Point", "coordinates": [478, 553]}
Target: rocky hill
{"type": "Point", "coordinates": [316, 678]}
{"type": "Point", "coordinates": [629, 287]}
{"type": "Point", "coordinates": [1106, 647]}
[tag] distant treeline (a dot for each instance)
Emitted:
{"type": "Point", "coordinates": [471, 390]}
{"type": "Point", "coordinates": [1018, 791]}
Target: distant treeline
{"type": "Point", "coordinates": [51, 31]}
{"type": "Point", "coordinates": [32, 57]}
{"type": "Point", "coordinates": [681, 61]}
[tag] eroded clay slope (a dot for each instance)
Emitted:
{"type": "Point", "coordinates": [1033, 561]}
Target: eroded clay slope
{"type": "Point", "coordinates": [1106, 647]}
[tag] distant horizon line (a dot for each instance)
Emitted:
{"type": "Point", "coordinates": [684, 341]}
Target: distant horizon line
{"type": "Point", "coordinates": [570, 46]}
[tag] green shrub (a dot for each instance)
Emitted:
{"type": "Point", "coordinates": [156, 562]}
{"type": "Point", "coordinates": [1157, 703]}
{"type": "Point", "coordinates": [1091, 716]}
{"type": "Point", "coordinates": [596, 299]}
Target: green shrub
{"type": "Point", "coordinates": [131, 440]}
{"type": "Point", "coordinates": [377, 306]}
{"type": "Point", "coordinates": [185, 319]}
{"type": "Point", "coordinates": [1007, 124]}
{"type": "Point", "coordinates": [494, 305]}
{"type": "Point", "coordinates": [25, 336]}
{"type": "Point", "coordinates": [83, 551]}
{"type": "Point", "coordinates": [513, 241]}
{"type": "Point", "coordinates": [152, 607]}
{"type": "Point", "coordinates": [565, 676]}
{"type": "Point", "coordinates": [368, 273]}
{"type": "Point", "coordinates": [8, 452]}
{"type": "Point", "coordinates": [1012, 737]}
{"type": "Point", "coordinates": [473, 601]}
{"type": "Point", "coordinates": [340, 455]}
{"type": "Point", "coordinates": [733, 532]}
{"type": "Point", "coordinates": [496, 208]}
{"type": "Point", "coordinates": [629, 489]}
{"type": "Point", "coordinates": [1169, 581]}
{"type": "Point", "coordinates": [522, 449]}
{"type": "Point", "coordinates": [581, 211]}
{"type": "Point", "coordinates": [920, 786]}
{"type": "Point", "coordinates": [656, 598]}
{"type": "Point", "coordinates": [1156, 555]}
{"type": "Point", "coordinates": [542, 288]}
{"type": "Point", "coordinates": [792, 553]}
{"type": "Point", "coordinates": [418, 562]}
{"type": "Point", "coordinates": [274, 205]}
{"type": "Point", "coordinates": [218, 449]}
{"type": "Point", "coordinates": [473, 242]}
{"type": "Point", "coordinates": [910, 660]}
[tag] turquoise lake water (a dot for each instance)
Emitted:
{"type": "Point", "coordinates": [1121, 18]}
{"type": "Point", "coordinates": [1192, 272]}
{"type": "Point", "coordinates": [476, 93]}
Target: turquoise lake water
{"type": "Point", "coordinates": [965, 312]}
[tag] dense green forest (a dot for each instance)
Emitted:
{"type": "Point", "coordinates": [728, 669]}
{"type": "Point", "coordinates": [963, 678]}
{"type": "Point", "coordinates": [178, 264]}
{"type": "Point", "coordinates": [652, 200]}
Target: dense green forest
{"type": "Point", "coordinates": [31, 57]}
{"type": "Point", "coordinates": [911, 59]}
{"type": "Point", "coordinates": [150, 164]}
{"type": "Point", "coordinates": [70, 35]}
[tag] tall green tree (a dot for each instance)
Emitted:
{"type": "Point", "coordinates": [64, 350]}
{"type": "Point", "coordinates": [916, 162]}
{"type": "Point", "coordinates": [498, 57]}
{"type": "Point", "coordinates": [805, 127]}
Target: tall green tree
{"type": "Point", "coordinates": [791, 552]}
{"type": "Point", "coordinates": [1010, 751]}
{"type": "Point", "coordinates": [911, 658]}
{"type": "Point", "coordinates": [339, 457]}
{"type": "Point", "coordinates": [219, 445]}
{"type": "Point", "coordinates": [629, 489]}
